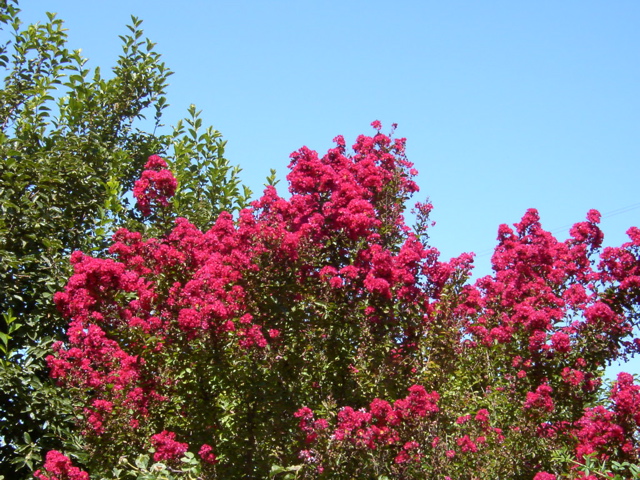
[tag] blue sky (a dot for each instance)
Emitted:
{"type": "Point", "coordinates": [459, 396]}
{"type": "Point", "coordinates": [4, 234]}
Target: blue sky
{"type": "Point", "coordinates": [506, 105]}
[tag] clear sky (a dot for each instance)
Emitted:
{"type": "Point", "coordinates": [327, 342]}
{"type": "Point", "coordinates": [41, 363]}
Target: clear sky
{"type": "Point", "coordinates": [506, 105]}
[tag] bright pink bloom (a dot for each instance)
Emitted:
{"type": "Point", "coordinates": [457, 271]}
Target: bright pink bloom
{"type": "Point", "coordinates": [466, 444]}
{"type": "Point", "coordinates": [166, 446]}
{"type": "Point", "coordinates": [544, 476]}
{"type": "Point", "coordinates": [59, 467]}
{"type": "Point", "coordinates": [540, 399]}
{"type": "Point", "coordinates": [207, 455]}
{"type": "Point", "coordinates": [156, 185]}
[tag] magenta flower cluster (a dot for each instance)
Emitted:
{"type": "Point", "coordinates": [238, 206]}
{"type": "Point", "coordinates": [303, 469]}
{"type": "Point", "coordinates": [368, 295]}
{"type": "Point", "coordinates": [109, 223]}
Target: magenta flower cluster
{"type": "Point", "coordinates": [155, 187]}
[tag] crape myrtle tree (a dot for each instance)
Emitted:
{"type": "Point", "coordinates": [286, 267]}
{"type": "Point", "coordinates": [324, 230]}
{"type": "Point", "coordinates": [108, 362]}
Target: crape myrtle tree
{"type": "Point", "coordinates": [318, 336]}
{"type": "Point", "coordinates": [71, 146]}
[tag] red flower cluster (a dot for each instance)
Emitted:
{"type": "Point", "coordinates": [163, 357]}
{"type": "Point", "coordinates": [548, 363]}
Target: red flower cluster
{"type": "Point", "coordinates": [603, 431]}
{"type": "Point", "coordinates": [155, 187]}
{"type": "Point", "coordinates": [167, 448]}
{"type": "Point", "coordinates": [59, 467]}
{"type": "Point", "coordinates": [538, 283]}
{"type": "Point", "coordinates": [540, 400]}
{"type": "Point", "coordinates": [379, 427]}
{"type": "Point", "coordinates": [207, 455]}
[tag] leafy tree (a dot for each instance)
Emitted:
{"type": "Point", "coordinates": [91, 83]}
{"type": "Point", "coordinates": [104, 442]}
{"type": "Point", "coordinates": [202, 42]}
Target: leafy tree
{"type": "Point", "coordinates": [71, 147]}
{"type": "Point", "coordinates": [320, 337]}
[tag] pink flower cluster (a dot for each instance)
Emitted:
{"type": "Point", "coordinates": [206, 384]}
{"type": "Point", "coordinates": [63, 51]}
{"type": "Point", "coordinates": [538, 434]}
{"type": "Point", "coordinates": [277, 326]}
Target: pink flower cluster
{"type": "Point", "coordinates": [538, 283]}
{"type": "Point", "coordinates": [602, 431]}
{"type": "Point", "coordinates": [409, 428]}
{"type": "Point", "coordinates": [378, 427]}
{"type": "Point", "coordinates": [549, 295]}
{"type": "Point", "coordinates": [155, 187]}
{"type": "Point", "coordinates": [540, 400]}
{"type": "Point", "coordinates": [91, 360]}
{"type": "Point", "coordinates": [58, 466]}
{"type": "Point", "coordinates": [167, 448]}
{"type": "Point", "coordinates": [206, 453]}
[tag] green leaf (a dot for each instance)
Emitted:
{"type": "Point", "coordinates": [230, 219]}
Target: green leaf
{"type": "Point", "coordinates": [142, 461]}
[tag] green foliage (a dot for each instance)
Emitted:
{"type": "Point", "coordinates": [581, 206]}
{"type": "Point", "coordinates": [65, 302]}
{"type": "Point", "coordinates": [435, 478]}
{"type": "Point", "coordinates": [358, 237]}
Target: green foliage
{"type": "Point", "coordinates": [70, 150]}
{"type": "Point", "coordinates": [611, 470]}
{"type": "Point", "coordinates": [207, 183]}
{"type": "Point", "coordinates": [142, 468]}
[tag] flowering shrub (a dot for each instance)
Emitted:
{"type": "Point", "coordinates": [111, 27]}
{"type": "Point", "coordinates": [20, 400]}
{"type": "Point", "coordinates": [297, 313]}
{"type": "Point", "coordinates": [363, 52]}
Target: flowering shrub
{"type": "Point", "coordinates": [321, 335]}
